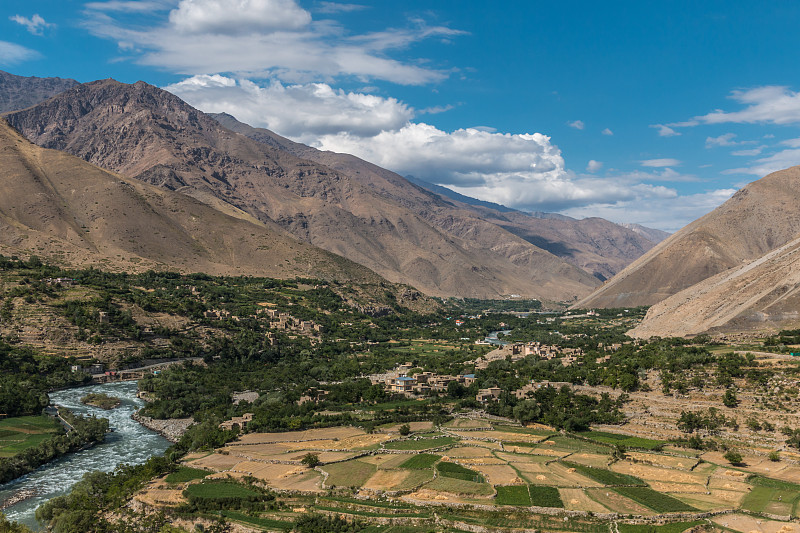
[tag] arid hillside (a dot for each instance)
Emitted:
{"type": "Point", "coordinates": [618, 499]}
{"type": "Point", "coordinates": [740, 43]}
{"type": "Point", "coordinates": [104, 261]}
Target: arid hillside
{"type": "Point", "coordinates": [404, 233]}
{"type": "Point", "coordinates": [61, 208]}
{"type": "Point", "coordinates": [759, 218]}
{"type": "Point", "coordinates": [763, 295]}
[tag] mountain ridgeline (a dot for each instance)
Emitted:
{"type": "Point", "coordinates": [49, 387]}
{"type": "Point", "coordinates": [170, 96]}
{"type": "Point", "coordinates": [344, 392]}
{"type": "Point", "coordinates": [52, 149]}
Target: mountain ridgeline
{"type": "Point", "coordinates": [336, 202]}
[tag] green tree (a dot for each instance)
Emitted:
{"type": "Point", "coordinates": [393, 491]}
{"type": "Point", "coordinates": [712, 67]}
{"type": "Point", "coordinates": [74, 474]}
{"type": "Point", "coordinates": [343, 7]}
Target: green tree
{"type": "Point", "coordinates": [730, 399]}
{"type": "Point", "coordinates": [733, 457]}
{"type": "Point", "coordinates": [404, 430]}
{"type": "Point", "coordinates": [311, 460]}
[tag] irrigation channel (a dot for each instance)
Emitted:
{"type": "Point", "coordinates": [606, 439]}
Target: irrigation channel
{"type": "Point", "coordinates": [129, 442]}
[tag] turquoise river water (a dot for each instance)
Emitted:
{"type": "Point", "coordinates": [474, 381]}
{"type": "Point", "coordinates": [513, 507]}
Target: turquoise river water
{"type": "Point", "coordinates": [130, 443]}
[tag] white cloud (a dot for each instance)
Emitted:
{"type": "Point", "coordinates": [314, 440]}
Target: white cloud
{"type": "Point", "coordinates": [11, 53]}
{"type": "Point", "coordinates": [607, 132]}
{"type": "Point", "coordinates": [767, 165]}
{"type": "Point", "coordinates": [772, 104]}
{"type": "Point", "coordinates": [665, 213]}
{"type": "Point", "coordinates": [333, 7]}
{"type": "Point", "coordinates": [435, 110]}
{"type": "Point", "coordinates": [236, 17]}
{"type": "Point", "coordinates": [577, 124]}
{"type": "Point", "coordinates": [722, 140]}
{"type": "Point", "coordinates": [594, 166]}
{"type": "Point", "coordinates": [129, 6]}
{"type": "Point", "coordinates": [304, 112]}
{"type": "Point", "coordinates": [35, 25]}
{"type": "Point", "coordinates": [664, 131]}
{"type": "Point", "coordinates": [666, 162]}
{"type": "Point", "coordinates": [751, 152]}
{"type": "Point", "coordinates": [794, 143]}
{"type": "Point", "coordinates": [262, 39]}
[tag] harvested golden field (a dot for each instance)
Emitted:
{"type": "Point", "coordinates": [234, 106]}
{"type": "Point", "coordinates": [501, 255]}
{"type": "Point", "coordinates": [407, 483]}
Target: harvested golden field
{"type": "Point", "coordinates": [654, 473]}
{"type": "Point", "coordinates": [617, 502]}
{"type": "Point", "coordinates": [578, 500]}
{"type": "Point", "coordinates": [307, 435]}
{"type": "Point", "coordinates": [498, 474]}
{"type": "Point", "coordinates": [750, 524]}
{"type": "Point", "coordinates": [387, 480]}
{"type": "Point", "coordinates": [461, 423]}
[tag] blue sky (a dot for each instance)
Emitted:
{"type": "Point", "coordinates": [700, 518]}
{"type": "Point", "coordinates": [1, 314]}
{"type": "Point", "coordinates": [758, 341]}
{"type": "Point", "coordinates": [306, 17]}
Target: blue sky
{"type": "Point", "coordinates": [634, 111]}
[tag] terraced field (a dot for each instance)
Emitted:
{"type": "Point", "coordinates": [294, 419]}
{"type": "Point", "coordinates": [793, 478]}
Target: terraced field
{"type": "Point", "coordinates": [506, 466]}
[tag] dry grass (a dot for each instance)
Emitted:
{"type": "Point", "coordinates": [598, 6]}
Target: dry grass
{"type": "Point", "coordinates": [578, 500]}
{"type": "Point", "coordinates": [648, 473]}
{"type": "Point", "coordinates": [387, 480]}
{"type": "Point", "coordinates": [467, 423]}
{"type": "Point", "coordinates": [748, 524]}
{"type": "Point", "coordinates": [498, 474]}
{"type": "Point", "coordinates": [617, 502]}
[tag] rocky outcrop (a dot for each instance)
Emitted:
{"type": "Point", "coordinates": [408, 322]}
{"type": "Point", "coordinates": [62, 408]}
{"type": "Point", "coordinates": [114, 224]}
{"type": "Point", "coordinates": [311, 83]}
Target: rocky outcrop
{"type": "Point", "coordinates": [171, 429]}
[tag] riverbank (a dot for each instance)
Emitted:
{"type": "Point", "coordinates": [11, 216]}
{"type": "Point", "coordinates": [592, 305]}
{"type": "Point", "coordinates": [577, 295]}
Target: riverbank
{"type": "Point", "coordinates": [171, 429]}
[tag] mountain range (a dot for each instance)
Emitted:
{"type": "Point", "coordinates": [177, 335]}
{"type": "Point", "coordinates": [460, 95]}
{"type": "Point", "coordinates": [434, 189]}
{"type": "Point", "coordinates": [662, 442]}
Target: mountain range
{"type": "Point", "coordinates": [56, 206]}
{"type": "Point", "coordinates": [336, 202]}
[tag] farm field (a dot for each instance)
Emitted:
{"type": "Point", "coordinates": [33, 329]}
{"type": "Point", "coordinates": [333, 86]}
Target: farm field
{"type": "Point", "coordinates": [20, 433]}
{"type": "Point", "coordinates": [510, 467]}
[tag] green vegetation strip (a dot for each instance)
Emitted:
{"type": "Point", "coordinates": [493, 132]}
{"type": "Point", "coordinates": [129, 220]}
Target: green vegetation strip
{"type": "Point", "coordinates": [369, 503]}
{"type": "Point", "coordinates": [421, 461]}
{"type": "Point", "coordinates": [456, 471]}
{"type": "Point", "coordinates": [676, 527]}
{"type": "Point", "coordinates": [545, 496]}
{"type": "Point", "coordinates": [513, 495]}
{"type": "Point", "coordinates": [267, 523]}
{"type": "Point", "coordinates": [421, 444]}
{"type": "Point", "coordinates": [606, 477]}
{"type": "Point", "coordinates": [657, 501]}
{"type": "Point", "coordinates": [184, 474]}
{"type": "Point", "coordinates": [356, 512]}
{"type": "Point", "coordinates": [623, 440]}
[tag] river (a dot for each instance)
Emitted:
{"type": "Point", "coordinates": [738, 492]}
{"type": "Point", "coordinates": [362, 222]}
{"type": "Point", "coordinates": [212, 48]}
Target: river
{"type": "Point", "coordinates": [130, 443]}
{"type": "Point", "coordinates": [492, 338]}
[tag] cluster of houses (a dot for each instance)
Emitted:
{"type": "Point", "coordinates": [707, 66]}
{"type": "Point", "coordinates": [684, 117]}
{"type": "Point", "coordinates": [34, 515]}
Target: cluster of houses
{"type": "Point", "coordinates": [287, 321]}
{"type": "Point", "coordinates": [419, 383]}
{"type": "Point", "coordinates": [63, 282]}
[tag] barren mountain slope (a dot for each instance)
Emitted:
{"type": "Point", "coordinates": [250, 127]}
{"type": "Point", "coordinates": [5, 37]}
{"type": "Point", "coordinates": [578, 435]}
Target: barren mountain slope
{"type": "Point", "coordinates": [19, 92]}
{"type": "Point", "coordinates": [761, 295]}
{"type": "Point", "coordinates": [760, 217]}
{"type": "Point", "coordinates": [144, 132]}
{"type": "Point", "coordinates": [57, 206]}
{"type": "Point", "coordinates": [597, 246]}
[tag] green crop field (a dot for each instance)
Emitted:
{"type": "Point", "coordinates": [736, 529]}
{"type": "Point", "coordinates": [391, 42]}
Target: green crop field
{"type": "Point", "coordinates": [184, 474]}
{"type": "Point", "coordinates": [421, 461]}
{"type": "Point", "coordinates": [624, 440]}
{"type": "Point", "coordinates": [606, 477]}
{"type": "Point", "coordinates": [20, 433]}
{"type": "Point", "coordinates": [421, 444]}
{"type": "Point", "coordinates": [266, 523]}
{"type": "Point", "coordinates": [676, 527]}
{"type": "Point", "coordinates": [771, 496]}
{"type": "Point", "coordinates": [657, 501]}
{"type": "Point", "coordinates": [513, 495]}
{"type": "Point", "coordinates": [349, 473]}
{"type": "Point", "coordinates": [456, 471]}
{"type": "Point", "coordinates": [545, 496]}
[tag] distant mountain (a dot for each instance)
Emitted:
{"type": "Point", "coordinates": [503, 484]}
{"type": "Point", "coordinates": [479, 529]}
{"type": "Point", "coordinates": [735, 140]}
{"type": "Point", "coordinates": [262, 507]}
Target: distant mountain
{"type": "Point", "coordinates": [59, 207]}
{"type": "Point", "coordinates": [651, 234]}
{"type": "Point", "coordinates": [367, 214]}
{"type": "Point", "coordinates": [19, 92]}
{"type": "Point", "coordinates": [759, 218]}
{"type": "Point", "coordinates": [760, 296]}
{"type": "Point", "coordinates": [453, 195]}
{"type": "Point", "coordinates": [597, 246]}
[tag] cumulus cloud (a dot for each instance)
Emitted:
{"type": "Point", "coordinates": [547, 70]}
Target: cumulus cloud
{"type": "Point", "coordinates": [666, 162]}
{"type": "Point", "coordinates": [238, 16]}
{"type": "Point", "coordinates": [577, 124]}
{"type": "Point", "coordinates": [594, 166]}
{"type": "Point", "coordinates": [302, 111]}
{"type": "Point", "coordinates": [35, 25]}
{"type": "Point", "coordinates": [12, 53]}
{"type": "Point", "coordinates": [263, 39]}
{"type": "Point", "coordinates": [607, 132]}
